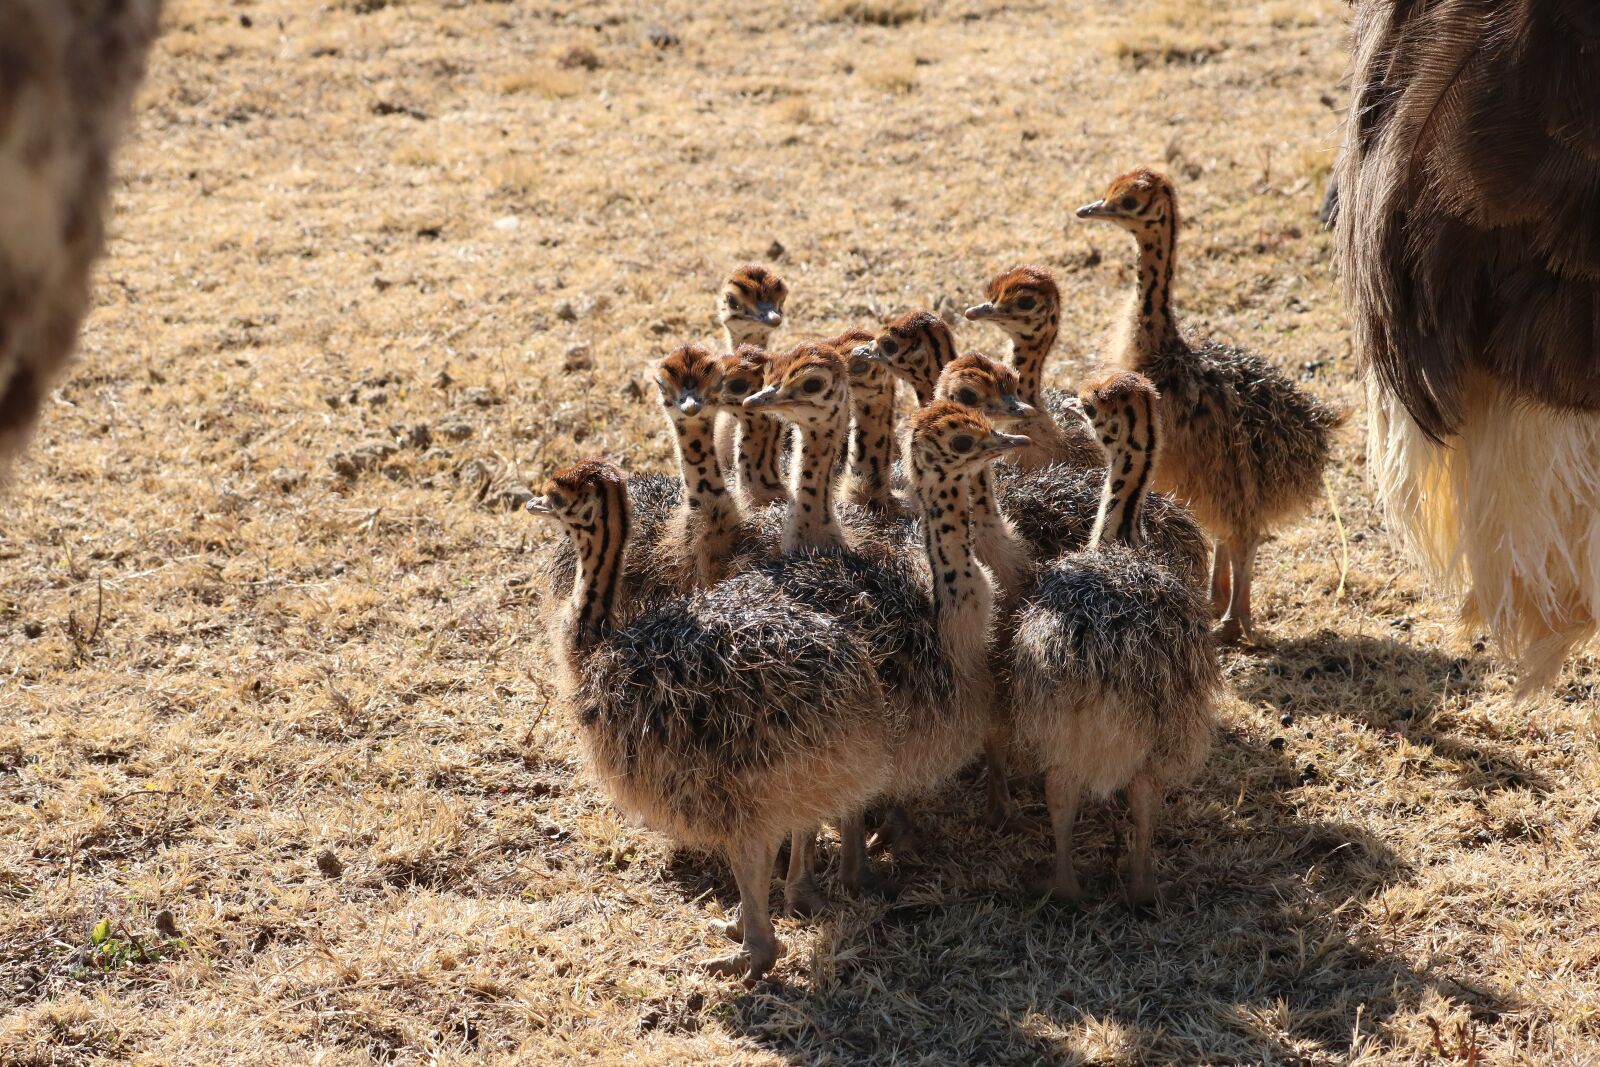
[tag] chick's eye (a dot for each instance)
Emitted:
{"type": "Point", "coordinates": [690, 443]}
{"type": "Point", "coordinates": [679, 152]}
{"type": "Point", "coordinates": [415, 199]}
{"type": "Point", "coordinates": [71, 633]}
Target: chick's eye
{"type": "Point", "coordinates": [739, 385]}
{"type": "Point", "coordinates": [555, 499]}
{"type": "Point", "coordinates": [1128, 203]}
{"type": "Point", "coordinates": [1026, 303]}
{"type": "Point", "coordinates": [811, 385]}
{"type": "Point", "coordinates": [961, 444]}
{"type": "Point", "coordinates": [969, 397]}
{"type": "Point", "coordinates": [888, 346]}
{"type": "Point", "coordinates": [1088, 409]}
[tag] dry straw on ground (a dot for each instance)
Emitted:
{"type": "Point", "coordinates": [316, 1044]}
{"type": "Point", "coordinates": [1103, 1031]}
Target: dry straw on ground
{"type": "Point", "coordinates": [267, 645]}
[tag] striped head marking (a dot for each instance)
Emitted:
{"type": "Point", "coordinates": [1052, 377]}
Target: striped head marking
{"type": "Point", "coordinates": [1139, 200]}
{"type": "Point", "coordinates": [811, 383]}
{"type": "Point", "coordinates": [861, 371]}
{"type": "Point", "coordinates": [690, 380]}
{"type": "Point", "coordinates": [584, 496]}
{"type": "Point", "coordinates": [916, 346]}
{"type": "Point", "coordinates": [751, 305]}
{"type": "Point", "coordinates": [978, 382]}
{"type": "Point", "coordinates": [1122, 408]}
{"type": "Point", "coordinates": [949, 440]}
{"type": "Point", "coordinates": [743, 374]}
{"type": "Point", "coordinates": [1019, 300]}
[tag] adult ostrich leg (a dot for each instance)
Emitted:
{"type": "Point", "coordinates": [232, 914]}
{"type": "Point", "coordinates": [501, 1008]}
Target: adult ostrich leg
{"type": "Point", "coordinates": [68, 71]}
{"type": "Point", "coordinates": [1469, 247]}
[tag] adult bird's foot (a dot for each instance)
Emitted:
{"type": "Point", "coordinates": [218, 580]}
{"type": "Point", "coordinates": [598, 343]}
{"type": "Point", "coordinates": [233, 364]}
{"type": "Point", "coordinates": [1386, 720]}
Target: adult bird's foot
{"type": "Point", "coordinates": [1143, 901]}
{"type": "Point", "coordinates": [1012, 820]}
{"type": "Point", "coordinates": [871, 883]}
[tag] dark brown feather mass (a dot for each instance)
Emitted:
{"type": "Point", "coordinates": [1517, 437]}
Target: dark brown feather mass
{"type": "Point", "coordinates": [1469, 185]}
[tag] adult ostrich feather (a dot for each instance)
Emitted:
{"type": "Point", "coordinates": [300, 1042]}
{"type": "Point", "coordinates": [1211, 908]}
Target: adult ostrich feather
{"type": "Point", "coordinates": [68, 70]}
{"type": "Point", "coordinates": [1469, 248]}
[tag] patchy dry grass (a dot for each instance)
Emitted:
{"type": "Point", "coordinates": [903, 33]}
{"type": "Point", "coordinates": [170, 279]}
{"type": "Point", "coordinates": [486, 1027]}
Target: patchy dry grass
{"type": "Point", "coordinates": [267, 643]}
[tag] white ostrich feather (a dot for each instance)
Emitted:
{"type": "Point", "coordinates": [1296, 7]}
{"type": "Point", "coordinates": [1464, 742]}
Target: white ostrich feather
{"type": "Point", "coordinates": [1505, 514]}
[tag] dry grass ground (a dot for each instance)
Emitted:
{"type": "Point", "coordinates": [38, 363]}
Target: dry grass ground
{"type": "Point", "coordinates": [247, 619]}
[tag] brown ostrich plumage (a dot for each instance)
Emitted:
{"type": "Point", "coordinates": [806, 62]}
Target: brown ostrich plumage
{"type": "Point", "coordinates": [1469, 248]}
{"type": "Point", "coordinates": [1469, 223]}
{"type": "Point", "coordinates": [68, 70]}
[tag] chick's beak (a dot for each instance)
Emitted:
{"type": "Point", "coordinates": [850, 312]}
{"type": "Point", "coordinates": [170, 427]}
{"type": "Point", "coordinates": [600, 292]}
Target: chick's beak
{"type": "Point", "coordinates": [982, 311]}
{"type": "Point", "coordinates": [867, 352]}
{"type": "Point", "coordinates": [1004, 442]}
{"type": "Point", "coordinates": [1020, 409]}
{"type": "Point", "coordinates": [764, 399]}
{"type": "Point", "coordinates": [769, 315]}
{"type": "Point", "coordinates": [539, 506]}
{"type": "Point", "coordinates": [690, 404]}
{"type": "Point", "coordinates": [1095, 210]}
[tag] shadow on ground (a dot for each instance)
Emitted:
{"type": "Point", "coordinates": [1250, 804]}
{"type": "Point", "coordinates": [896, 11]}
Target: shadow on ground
{"type": "Point", "coordinates": [1261, 951]}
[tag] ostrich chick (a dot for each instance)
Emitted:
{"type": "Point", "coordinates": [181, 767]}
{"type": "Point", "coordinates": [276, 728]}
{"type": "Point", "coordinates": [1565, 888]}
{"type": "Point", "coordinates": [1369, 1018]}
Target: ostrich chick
{"type": "Point", "coordinates": [1114, 670]}
{"type": "Point", "coordinates": [1245, 447]}
{"type": "Point", "coordinates": [723, 718]}
{"type": "Point", "coordinates": [749, 308]}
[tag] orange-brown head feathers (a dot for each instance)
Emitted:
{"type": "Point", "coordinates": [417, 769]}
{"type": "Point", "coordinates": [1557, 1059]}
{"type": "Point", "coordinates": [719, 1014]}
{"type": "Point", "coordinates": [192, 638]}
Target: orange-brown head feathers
{"type": "Point", "coordinates": [690, 379]}
{"type": "Point", "coordinates": [1020, 296]}
{"type": "Point", "coordinates": [976, 381]}
{"type": "Point", "coordinates": [851, 339]}
{"type": "Point", "coordinates": [812, 380]}
{"type": "Point", "coordinates": [915, 346]}
{"type": "Point", "coordinates": [1122, 408]}
{"type": "Point", "coordinates": [743, 373]}
{"type": "Point", "coordinates": [574, 494]}
{"type": "Point", "coordinates": [751, 305]}
{"type": "Point", "coordinates": [949, 439]}
{"type": "Point", "coordinates": [1141, 197]}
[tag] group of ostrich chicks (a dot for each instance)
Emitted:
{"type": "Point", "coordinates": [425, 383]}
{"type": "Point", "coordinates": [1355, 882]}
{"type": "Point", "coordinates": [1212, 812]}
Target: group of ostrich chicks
{"type": "Point", "coordinates": [821, 617]}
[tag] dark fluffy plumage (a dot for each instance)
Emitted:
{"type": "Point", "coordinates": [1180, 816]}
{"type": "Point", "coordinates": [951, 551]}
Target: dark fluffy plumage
{"type": "Point", "coordinates": [1469, 189]}
{"type": "Point", "coordinates": [1244, 444]}
{"type": "Point", "coordinates": [687, 709]}
{"type": "Point", "coordinates": [1116, 623]}
{"type": "Point", "coordinates": [1054, 510]}
{"type": "Point", "coordinates": [1123, 618]}
{"type": "Point", "coordinates": [884, 600]}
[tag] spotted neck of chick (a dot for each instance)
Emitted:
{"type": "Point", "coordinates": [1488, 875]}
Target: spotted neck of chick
{"type": "Point", "coordinates": [758, 452]}
{"type": "Point", "coordinates": [963, 597]}
{"type": "Point", "coordinates": [710, 512]}
{"type": "Point", "coordinates": [758, 437]}
{"type": "Point", "coordinates": [742, 331]}
{"type": "Point", "coordinates": [1030, 348]}
{"type": "Point", "coordinates": [872, 441]}
{"type": "Point", "coordinates": [1149, 325]}
{"type": "Point", "coordinates": [1131, 434]}
{"type": "Point", "coordinates": [812, 521]}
